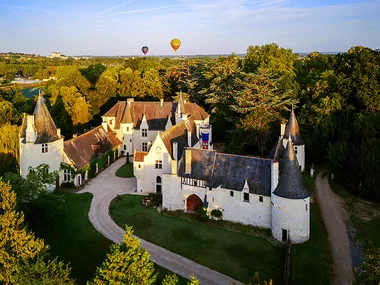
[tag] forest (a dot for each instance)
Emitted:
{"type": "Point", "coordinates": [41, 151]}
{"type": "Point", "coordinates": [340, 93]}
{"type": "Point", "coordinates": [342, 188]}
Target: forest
{"type": "Point", "coordinates": [336, 98]}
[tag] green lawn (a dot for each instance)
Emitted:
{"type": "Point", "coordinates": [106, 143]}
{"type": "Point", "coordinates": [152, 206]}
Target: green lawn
{"type": "Point", "coordinates": [74, 239]}
{"type": "Point", "coordinates": [311, 262]}
{"type": "Point", "coordinates": [125, 171]}
{"type": "Point", "coordinates": [238, 255]}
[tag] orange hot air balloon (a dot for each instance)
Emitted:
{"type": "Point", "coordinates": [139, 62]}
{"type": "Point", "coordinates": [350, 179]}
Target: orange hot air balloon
{"type": "Point", "coordinates": [175, 43]}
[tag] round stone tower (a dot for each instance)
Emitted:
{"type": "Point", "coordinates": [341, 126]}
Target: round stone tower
{"type": "Point", "coordinates": [40, 140]}
{"type": "Point", "coordinates": [290, 202]}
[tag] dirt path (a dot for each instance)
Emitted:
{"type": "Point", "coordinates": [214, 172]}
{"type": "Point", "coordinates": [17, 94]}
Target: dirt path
{"type": "Point", "coordinates": [333, 215]}
{"type": "Point", "coordinates": [105, 187]}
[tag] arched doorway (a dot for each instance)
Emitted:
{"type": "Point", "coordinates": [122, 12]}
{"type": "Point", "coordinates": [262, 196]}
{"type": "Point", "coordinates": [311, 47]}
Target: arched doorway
{"type": "Point", "coordinates": [158, 184]}
{"type": "Point", "coordinates": [193, 203]}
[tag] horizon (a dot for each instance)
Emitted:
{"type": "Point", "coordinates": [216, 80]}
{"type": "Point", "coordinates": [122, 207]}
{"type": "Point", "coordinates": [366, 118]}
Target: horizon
{"type": "Point", "coordinates": [204, 27]}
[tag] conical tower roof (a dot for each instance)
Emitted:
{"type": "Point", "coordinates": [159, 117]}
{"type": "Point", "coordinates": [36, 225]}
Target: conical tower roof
{"type": "Point", "coordinates": [44, 124]}
{"type": "Point", "coordinates": [290, 185]}
{"type": "Point", "coordinates": [293, 130]}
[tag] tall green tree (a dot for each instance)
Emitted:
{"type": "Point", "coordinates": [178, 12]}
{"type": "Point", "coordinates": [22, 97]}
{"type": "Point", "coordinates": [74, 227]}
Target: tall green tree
{"type": "Point", "coordinates": [127, 263]}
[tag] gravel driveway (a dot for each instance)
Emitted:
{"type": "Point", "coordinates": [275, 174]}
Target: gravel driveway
{"type": "Point", "coordinates": [333, 216]}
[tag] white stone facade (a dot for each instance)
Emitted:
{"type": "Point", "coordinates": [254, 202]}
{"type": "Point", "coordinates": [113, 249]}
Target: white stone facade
{"type": "Point", "coordinates": [290, 217]}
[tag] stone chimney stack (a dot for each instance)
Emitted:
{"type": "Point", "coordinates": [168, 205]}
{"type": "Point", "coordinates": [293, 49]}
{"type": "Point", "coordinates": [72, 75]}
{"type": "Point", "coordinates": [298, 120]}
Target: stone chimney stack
{"type": "Point", "coordinates": [282, 129]}
{"type": "Point", "coordinates": [59, 132]}
{"type": "Point", "coordinates": [75, 136]}
{"type": "Point", "coordinates": [129, 101]}
{"type": "Point", "coordinates": [30, 133]}
{"type": "Point", "coordinates": [189, 138]}
{"type": "Point", "coordinates": [175, 158]}
{"type": "Point", "coordinates": [161, 102]}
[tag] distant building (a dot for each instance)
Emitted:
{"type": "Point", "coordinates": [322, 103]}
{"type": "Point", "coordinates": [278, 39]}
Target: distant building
{"type": "Point", "coordinates": [56, 54]}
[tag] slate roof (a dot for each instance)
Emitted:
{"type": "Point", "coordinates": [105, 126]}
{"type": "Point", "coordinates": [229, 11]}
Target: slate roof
{"type": "Point", "coordinates": [277, 151]}
{"type": "Point", "coordinates": [229, 171]}
{"type": "Point", "coordinates": [290, 185]}
{"type": "Point", "coordinates": [85, 148]}
{"type": "Point", "coordinates": [292, 129]}
{"type": "Point", "coordinates": [179, 133]}
{"type": "Point", "coordinates": [43, 124]}
{"type": "Point", "coordinates": [156, 115]}
{"type": "Point", "coordinates": [139, 156]}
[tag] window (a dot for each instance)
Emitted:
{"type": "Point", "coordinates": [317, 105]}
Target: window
{"type": "Point", "coordinates": [130, 140]}
{"type": "Point", "coordinates": [195, 182]}
{"type": "Point", "coordinates": [110, 122]}
{"type": "Point", "coordinates": [231, 193]}
{"type": "Point", "coordinates": [246, 197]}
{"type": "Point", "coordinates": [210, 188]}
{"type": "Point", "coordinates": [213, 200]}
{"type": "Point", "coordinates": [261, 199]}
{"type": "Point", "coordinates": [158, 164]}
{"type": "Point", "coordinates": [127, 129]}
{"type": "Point", "coordinates": [139, 166]}
{"type": "Point", "coordinates": [306, 207]}
{"type": "Point", "coordinates": [125, 147]}
{"type": "Point", "coordinates": [144, 132]}
{"type": "Point", "coordinates": [295, 149]}
{"type": "Point", "coordinates": [144, 146]}
{"type": "Point", "coordinates": [66, 175]}
{"type": "Point", "coordinates": [44, 148]}
{"type": "Point", "coordinates": [158, 184]}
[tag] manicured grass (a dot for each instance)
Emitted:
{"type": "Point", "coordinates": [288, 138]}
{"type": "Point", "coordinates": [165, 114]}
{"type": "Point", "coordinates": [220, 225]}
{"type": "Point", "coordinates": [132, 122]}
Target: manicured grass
{"type": "Point", "coordinates": [125, 171]}
{"type": "Point", "coordinates": [73, 239]}
{"type": "Point", "coordinates": [235, 254]}
{"type": "Point", "coordinates": [311, 262]}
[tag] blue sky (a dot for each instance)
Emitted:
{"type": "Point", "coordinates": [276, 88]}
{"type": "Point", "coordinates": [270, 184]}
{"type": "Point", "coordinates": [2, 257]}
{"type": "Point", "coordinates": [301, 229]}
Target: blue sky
{"type": "Point", "coordinates": [204, 26]}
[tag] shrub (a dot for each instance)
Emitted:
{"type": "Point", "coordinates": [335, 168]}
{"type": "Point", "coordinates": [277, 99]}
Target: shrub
{"type": "Point", "coordinates": [202, 214]}
{"type": "Point", "coordinates": [68, 185]}
{"type": "Point", "coordinates": [217, 213]}
{"type": "Point", "coordinates": [155, 199]}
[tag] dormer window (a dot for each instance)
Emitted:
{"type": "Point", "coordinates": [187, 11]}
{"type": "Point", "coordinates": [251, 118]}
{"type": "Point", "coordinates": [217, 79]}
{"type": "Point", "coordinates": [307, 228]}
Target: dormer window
{"type": "Point", "coordinates": [110, 122]}
{"type": "Point", "coordinates": [144, 132]}
{"type": "Point", "coordinates": [44, 148]}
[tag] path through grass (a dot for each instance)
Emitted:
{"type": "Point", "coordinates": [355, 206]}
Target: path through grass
{"type": "Point", "coordinates": [74, 239]}
{"type": "Point", "coordinates": [235, 254]}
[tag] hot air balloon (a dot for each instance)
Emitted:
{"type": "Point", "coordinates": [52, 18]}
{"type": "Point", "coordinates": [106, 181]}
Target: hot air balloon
{"type": "Point", "coordinates": [145, 49]}
{"type": "Point", "coordinates": [175, 43]}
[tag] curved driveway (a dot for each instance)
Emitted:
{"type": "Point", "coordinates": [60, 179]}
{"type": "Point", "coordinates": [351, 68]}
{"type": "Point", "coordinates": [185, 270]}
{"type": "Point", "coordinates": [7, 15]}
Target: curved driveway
{"type": "Point", "coordinates": [105, 187]}
{"type": "Point", "coordinates": [332, 213]}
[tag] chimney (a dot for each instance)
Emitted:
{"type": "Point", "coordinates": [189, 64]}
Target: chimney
{"type": "Point", "coordinates": [179, 110]}
{"type": "Point", "coordinates": [175, 158]}
{"type": "Point", "coordinates": [185, 101]}
{"type": "Point", "coordinates": [161, 102]}
{"type": "Point", "coordinates": [282, 129]}
{"type": "Point", "coordinates": [175, 151]}
{"type": "Point", "coordinates": [198, 131]}
{"type": "Point", "coordinates": [59, 132]}
{"type": "Point", "coordinates": [75, 136]}
{"type": "Point", "coordinates": [184, 117]}
{"type": "Point", "coordinates": [188, 161]}
{"type": "Point", "coordinates": [30, 133]}
{"type": "Point", "coordinates": [129, 101]}
{"type": "Point", "coordinates": [189, 138]}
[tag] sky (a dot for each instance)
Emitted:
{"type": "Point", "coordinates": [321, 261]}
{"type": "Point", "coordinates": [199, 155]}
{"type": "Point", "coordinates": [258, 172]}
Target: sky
{"type": "Point", "coordinates": [95, 27]}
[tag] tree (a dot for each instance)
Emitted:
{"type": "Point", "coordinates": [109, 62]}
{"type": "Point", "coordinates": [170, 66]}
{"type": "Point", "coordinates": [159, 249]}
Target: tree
{"type": "Point", "coordinates": [9, 148]}
{"type": "Point", "coordinates": [279, 61]}
{"type": "Point", "coordinates": [7, 112]}
{"type": "Point", "coordinates": [106, 88]}
{"type": "Point", "coordinates": [35, 183]}
{"type": "Point", "coordinates": [153, 84]}
{"type": "Point", "coordinates": [127, 263]}
{"type": "Point", "coordinates": [93, 72]}
{"type": "Point", "coordinates": [130, 83]}
{"type": "Point", "coordinates": [23, 258]}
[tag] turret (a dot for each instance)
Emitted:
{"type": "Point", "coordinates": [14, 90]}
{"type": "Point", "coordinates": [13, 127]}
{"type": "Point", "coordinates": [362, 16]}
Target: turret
{"type": "Point", "coordinates": [292, 131]}
{"type": "Point", "coordinates": [290, 202]}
